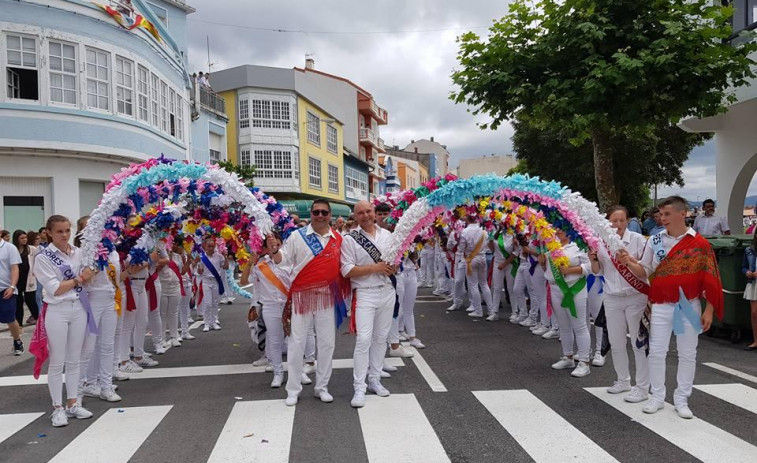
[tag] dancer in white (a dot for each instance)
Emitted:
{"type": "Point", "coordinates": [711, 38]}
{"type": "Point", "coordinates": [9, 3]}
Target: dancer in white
{"type": "Point", "coordinates": [504, 268]}
{"type": "Point", "coordinates": [210, 267]}
{"type": "Point", "coordinates": [472, 244]}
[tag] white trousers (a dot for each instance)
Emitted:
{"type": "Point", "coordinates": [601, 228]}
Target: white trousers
{"type": "Point", "coordinates": [325, 330]}
{"type": "Point", "coordinates": [500, 278]}
{"type": "Point", "coordinates": [274, 341]}
{"type": "Point", "coordinates": [440, 268]}
{"type": "Point", "coordinates": [594, 304]}
{"type": "Point", "coordinates": [66, 325]}
{"type": "Point", "coordinates": [537, 291]}
{"type": "Point", "coordinates": [407, 290]}
{"type": "Point", "coordinates": [183, 309]}
{"type": "Point", "coordinates": [572, 327]}
{"type": "Point", "coordinates": [373, 313]}
{"type": "Point", "coordinates": [169, 312]}
{"type": "Point", "coordinates": [520, 289]}
{"type": "Point", "coordinates": [477, 284]}
{"type": "Point", "coordinates": [135, 323]}
{"type": "Point", "coordinates": [686, 344]}
{"type": "Point", "coordinates": [96, 364]}
{"type": "Point", "coordinates": [118, 334]}
{"type": "Point", "coordinates": [459, 290]}
{"type": "Point", "coordinates": [623, 315]}
{"type": "Point", "coordinates": [428, 263]}
{"type": "Point", "coordinates": [210, 300]}
{"type": "Point", "coordinates": [155, 321]}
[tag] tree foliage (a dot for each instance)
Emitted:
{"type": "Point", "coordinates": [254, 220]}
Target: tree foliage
{"type": "Point", "coordinates": [603, 70]}
{"type": "Point", "coordinates": [245, 173]}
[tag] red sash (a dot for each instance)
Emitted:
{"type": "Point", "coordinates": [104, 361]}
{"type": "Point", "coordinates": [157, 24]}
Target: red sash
{"type": "Point", "coordinates": [152, 293]}
{"type": "Point", "coordinates": [131, 304]}
{"type": "Point", "coordinates": [635, 282]}
{"type": "Point", "coordinates": [692, 267]}
{"type": "Point", "coordinates": [172, 265]}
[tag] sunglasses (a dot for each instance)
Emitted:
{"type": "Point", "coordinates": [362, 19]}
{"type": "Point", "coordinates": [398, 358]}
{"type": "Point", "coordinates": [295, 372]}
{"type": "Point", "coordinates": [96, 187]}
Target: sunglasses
{"type": "Point", "coordinates": [322, 212]}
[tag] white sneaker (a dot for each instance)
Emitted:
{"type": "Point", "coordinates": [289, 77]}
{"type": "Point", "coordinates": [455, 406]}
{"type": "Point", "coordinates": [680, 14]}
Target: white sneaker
{"type": "Point", "coordinates": [175, 342]}
{"type": "Point", "coordinates": [653, 406]}
{"type": "Point", "coordinates": [119, 375]}
{"type": "Point", "coordinates": [581, 370]}
{"type": "Point", "coordinates": [308, 369]}
{"type": "Point", "coordinates": [619, 387]}
{"type": "Point", "coordinates": [160, 350]}
{"type": "Point", "coordinates": [523, 317]}
{"type": "Point", "coordinates": [269, 369]}
{"type": "Point", "coordinates": [378, 389]}
{"type": "Point", "coordinates": [470, 309]}
{"type": "Point", "coordinates": [400, 352]}
{"type": "Point", "coordinates": [453, 307]}
{"type": "Point", "coordinates": [415, 342]}
{"type": "Point", "coordinates": [190, 320]}
{"type": "Point", "coordinates": [636, 395]}
{"type": "Point", "coordinates": [684, 411]}
{"type": "Point", "coordinates": [291, 400]}
{"type": "Point", "coordinates": [130, 367]}
{"type": "Point", "coordinates": [78, 412]}
{"type": "Point", "coordinates": [91, 390]}
{"type": "Point", "coordinates": [216, 326]}
{"type": "Point", "coordinates": [187, 336]}
{"type": "Point", "coordinates": [147, 362]}
{"type": "Point", "coordinates": [540, 331]}
{"type": "Point", "coordinates": [278, 380]}
{"type": "Point", "coordinates": [403, 337]}
{"type": "Point", "coordinates": [564, 363]}
{"type": "Point", "coordinates": [514, 319]}
{"type": "Point", "coordinates": [493, 317]}
{"type": "Point", "coordinates": [305, 379]}
{"type": "Point", "coordinates": [389, 368]}
{"type": "Point", "coordinates": [358, 400]}
{"type": "Point", "coordinates": [553, 333]}
{"type": "Point", "coordinates": [385, 374]}
{"type": "Point", "coordinates": [324, 396]}
{"type": "Point", "coordinates": [261, 362]}
{"type": "Point", "coordinates": [527, 322]}
{"type": "Point", "coordinates": [475, 314]}
{"type": "Point", "coordinates": [109, 395]}
{"type": "Point", "coordinates": [205, 328]}
{"type": "Point", "coordinates": [598, 360]}
{"type": "Point", "coordinates": [59, 418]}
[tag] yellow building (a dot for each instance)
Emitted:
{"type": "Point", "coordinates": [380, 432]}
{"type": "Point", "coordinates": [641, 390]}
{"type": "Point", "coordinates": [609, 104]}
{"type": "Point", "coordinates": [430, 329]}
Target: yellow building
{"type": "Point", "coordinates": [321, 152]}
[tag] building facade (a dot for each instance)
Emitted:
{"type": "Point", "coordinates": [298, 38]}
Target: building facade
{"type": "Point", "coordinates": [438, 155]}
{"type": "Point", "coordinates": [209, 121]}
{"type": "Point", "coordinates": [497, 165]}
{"type": "Point", "coordinates": [82, 97]}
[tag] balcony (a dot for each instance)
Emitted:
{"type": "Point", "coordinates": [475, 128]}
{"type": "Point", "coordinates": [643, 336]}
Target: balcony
{"type": "Point", "coordinates": [369, 107]}
{"type": "Point", "coordinates": [369, 137]}
{"type": "Point", "coordinates": [210, 100]}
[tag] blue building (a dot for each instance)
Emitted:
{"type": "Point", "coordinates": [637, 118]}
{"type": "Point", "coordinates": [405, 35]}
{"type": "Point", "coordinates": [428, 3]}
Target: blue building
{"type": "Point", "coordinates": [83, 96]}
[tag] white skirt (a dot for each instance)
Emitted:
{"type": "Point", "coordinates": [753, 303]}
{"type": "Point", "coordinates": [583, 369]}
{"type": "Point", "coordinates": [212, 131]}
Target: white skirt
{"type": "Point", "coordinates": [750, 292]}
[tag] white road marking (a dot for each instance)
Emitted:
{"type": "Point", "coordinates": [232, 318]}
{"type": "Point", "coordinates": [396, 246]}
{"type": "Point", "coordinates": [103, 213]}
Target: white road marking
{"type": "Point", "coordinates": [737, 394]}
{"type": "Point", "coordinates": [15, 422]}
{"type": "Point", "coordinates": [181, 372]}
{"type": "Point", "coordinates": [114, 437]}
{"type": "Point", "coordinates": [543, 434]}
{"type": "Point", "coordinates": [731, 371]}
{"type": "Point", "coordinates": [195, 325]}
{"type": "Point", "coordinates": [409, 439]}
{"type": "Point", "coordinates": [428, 374]}
{"type": "Point", "coordinates": [256, 431]}
{"type": "Point", "coordinates": [696, 437]}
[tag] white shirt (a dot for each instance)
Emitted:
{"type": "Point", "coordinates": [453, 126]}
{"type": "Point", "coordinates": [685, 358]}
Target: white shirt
{"type": "Point", "coordinates": [101, 281]}
{"type": "Point", "coordinates": [472, 234]}
{"type": "Point", "coordinates": [452, 241]}
{"type": "Point", "coordinates": [508, 242]}
{"type": "Point", "coordinates": [50, 276]}
{"type": "Point", "coordinates": [711, 225]}
{"type": "Point", "coordinates": [217, 260]}
{"type": "Point", "coordinates": [648, 259]}
{"type": "Point", "coordinates": [577, 257]}
{"type": "Point", "coordinates": [353, 255]}
{"type": "Point", "coordinates": [616, 285]}
{"type": "Point", "coordinates": [169, 280]}
{"type": "Point", "coordinates": [9, 257]}
{"type": "Point", "coordinates": [296, 254]}
{"type": "Point", "coordinates": [267, 293]}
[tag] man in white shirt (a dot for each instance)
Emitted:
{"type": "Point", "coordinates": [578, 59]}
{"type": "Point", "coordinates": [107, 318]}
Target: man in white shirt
{"type": "Point", "coordinates": [374, 302]}
{"type": "Point", "coordinates": [10, 259]}
{"type": "Point", "coordinates": [473, 246]}
{"type": "Point", "coordinates": [458, 291]}
{"type": "Point", "coordinates": [709, 223]}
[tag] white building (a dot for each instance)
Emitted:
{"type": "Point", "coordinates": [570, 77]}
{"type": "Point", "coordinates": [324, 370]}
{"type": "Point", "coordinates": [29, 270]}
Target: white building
{"type": "Point", "coordinates": [440, 162]}
{"type": "Point", "coordinates": [497, 165]}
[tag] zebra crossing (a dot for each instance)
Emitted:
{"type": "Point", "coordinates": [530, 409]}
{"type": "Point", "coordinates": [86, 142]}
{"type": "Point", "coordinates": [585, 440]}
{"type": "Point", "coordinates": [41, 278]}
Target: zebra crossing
{"type": "Point", "coordinates": [398, 428]}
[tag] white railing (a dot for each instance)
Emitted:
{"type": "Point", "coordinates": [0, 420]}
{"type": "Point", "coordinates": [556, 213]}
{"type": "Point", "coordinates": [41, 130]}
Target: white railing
{"type": "Point", "coordinates": [367, 134]}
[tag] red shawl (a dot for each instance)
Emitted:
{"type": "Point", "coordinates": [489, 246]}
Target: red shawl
{"type": "Point", "coordinates": [690, 265]}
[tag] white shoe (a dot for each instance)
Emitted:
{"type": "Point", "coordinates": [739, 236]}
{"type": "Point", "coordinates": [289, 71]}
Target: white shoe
{"type": "Point", "coordinates": [216, 326]}
{"type": "Point", "coordinates": [119, 375]}
{"type": "Point", "coordinates": [527, 322]}
{"type": "Point", "coordinates": [59, 418]}
{"type": "Point", "coordinates": [551, 334]}
{"type": "Point", "coordinates": [378, 389]}
{"type": "Point", "coordinates": [278, 380]}
{"type": "Point", "coordinates": [205, 328]}
{"type": "Point", "coordinates": [636, 395]}
{"type": "Point", "coordinates": [415, 342]}
{"type": "Point", "coordinates": [598, 360]}
{"type": "Point", "coordinates": [389, 368]}
{"type": "Point", "coordinates": [130, 367]}
{"type": "Point", "coordinates": [147, 362]}
{"type": "Point", "coordinates": [653, 406]}
{"type": "Point", "coordinates": [190, 320]}
{"type": "Point", "coordinates": [305, 379]}
{"type": "Point", "coordinates": [160, 350]}
{"type": "Point", "coordinates": [91, 390]}
{"type": "Point", "coordinates": [619, 387]}
{"type": "Point", "coordinates": [523, 317]}
{"type": "Point", "coordinates": [261, 362]}
{"type": "Point", "coordinates": [475, 314]}
{"type": "Point", "coordinates": [453, 307]}
{"type": "Point", "coordinates": [581, 370]}
{"type": "Point", "coordinates": [78, 412]}
{"type": "Point", "coordinates": [514, 319]}
{"type": "Point", "coordinates": [385, 374]}
{"type": "Point", "coordinates": [109, 395]}
{"type": "Point", "coordinates": [493, 317]}
{"type": "Point", "coordinates": [308, 369]}
{"type": "Point", "coordinates": [400, 352]}
{"type": "Point", "coordinates": [291, 400]}
{"type": "Point", "coordinates": [358, 400]}
{"type": "Point", "coordinates": [540, 331]}
{"type": "Point", "coordinates": [564, 363]}
{"type": "Point", "coordinates": [269, 369]}
{"type": "Point", "coordinates": [324, 396]}
{"type": "Point", "coordinates": [187, 336]}
{"type": "Point", "coordinates": [684, 411]}
{"type": "Point", "coordinates": [470, 309]}
{"type": "Point", "coordinates": [175, 342]}
{"type": "Point", "coordinates": [403, 337]}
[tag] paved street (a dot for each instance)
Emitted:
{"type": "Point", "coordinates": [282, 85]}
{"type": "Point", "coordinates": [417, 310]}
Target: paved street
{"type": "Point", "coordinates": [482, 392]}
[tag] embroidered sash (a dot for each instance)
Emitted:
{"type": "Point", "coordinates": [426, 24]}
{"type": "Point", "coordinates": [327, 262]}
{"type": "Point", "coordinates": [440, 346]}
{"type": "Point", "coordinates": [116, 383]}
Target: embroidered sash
{"type": "Point", "coordinates": [474, 253]}
{"type": "Point", "coordinates": [116, 286]}
{"type": "Point", "coordinates": [175, 268]}
{"type": "Point", "coordinates": [212, 269]}
{"type": "Point", "coordinates": [569, 292]}
{"type": "Point", "coordinates": [68, 274]}
{"type": "Point", "coordinates": [269, 275]}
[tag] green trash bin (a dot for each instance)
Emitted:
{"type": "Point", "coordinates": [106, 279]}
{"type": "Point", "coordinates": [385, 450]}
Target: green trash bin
{"type": "Point", "coordinates": [729, 251]}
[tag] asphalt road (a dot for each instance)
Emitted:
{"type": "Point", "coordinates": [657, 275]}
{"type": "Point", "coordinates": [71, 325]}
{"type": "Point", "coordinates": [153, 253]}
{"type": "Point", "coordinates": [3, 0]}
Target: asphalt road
{"type": "Point", "coordinates": [502, 403]}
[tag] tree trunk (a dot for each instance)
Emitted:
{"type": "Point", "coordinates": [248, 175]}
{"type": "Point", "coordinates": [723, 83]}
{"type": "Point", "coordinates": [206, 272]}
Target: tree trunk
{"type": "Point", "coordinates": [604, 172]}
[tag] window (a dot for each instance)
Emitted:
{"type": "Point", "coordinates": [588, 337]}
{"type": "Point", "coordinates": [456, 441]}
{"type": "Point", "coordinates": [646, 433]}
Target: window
{"type": "Point", "coordinates": [124, 86]}
{"type": "Point", "coordinates": [271, 114]}
{"type": "Point", "coordinates": [163, 106]}
{"type": "Point", "coordinates": [244, 114]}
{"type": "Point", "coordinates": [215, 156]}
{"type": "Point", "coordinates": [23, 80]}
{"type": "Point", "coordinates": [143, 93]}
{"type": "Point", "coordinates": [356, 183]}
{"type": "Point", "coordinates": [172, 112]}
{"type": "Point", "coordinates": [244, 158]}
{"type": "Point", "coordinates": [314, 129]}
{"type": "Point", "coordinates": [332, 140]}
{"type": "Point", "coordinates": [314, 172]}
{"type": "Point", "coordinates": [161, 13]}
{"type": "Point", "coordinates": [333, 179]}
{"type": "Point", "coordinates": [62, 73]}
{"type": "Point", "coordinates": [98, 79]}
{"type": "Point", "coordinates": [273, 164]}
{"type": "Point", "coordinates": [179, 118]}
{"type": "Point", "coordinates": [280, 115]}
{"type": "Point", "coordinates": [155, 100]}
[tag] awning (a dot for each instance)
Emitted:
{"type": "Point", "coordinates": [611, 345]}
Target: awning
{"type": "Point", "coordinates": [301, 207]}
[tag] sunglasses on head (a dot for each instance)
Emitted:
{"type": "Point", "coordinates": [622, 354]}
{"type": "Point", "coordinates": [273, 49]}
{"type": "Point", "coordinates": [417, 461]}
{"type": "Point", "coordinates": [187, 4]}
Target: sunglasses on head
{"type": "Point", "coordinates": [322, 212]}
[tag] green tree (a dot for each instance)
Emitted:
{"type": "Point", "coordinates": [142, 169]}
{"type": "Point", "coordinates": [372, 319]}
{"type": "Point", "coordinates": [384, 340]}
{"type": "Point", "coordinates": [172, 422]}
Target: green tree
{"type": "Point", "coordinates": [598, 70]}
{"type": "Point", "coordinates": [245, 173]}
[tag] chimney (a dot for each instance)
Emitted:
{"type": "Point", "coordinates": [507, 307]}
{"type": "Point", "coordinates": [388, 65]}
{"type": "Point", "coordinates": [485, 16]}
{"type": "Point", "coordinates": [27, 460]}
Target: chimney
{"type": "Point", "coordinates": [309, 61]}
{"type": "Point", "coordinates": [432, 138]}
{"type": "Point", "coordinates": [415, 149]}
{"type": "Point", "coordinates": [412, 141]}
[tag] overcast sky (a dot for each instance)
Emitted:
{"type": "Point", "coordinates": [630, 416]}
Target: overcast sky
{"type": "Point", "coordinates": [402, 51]}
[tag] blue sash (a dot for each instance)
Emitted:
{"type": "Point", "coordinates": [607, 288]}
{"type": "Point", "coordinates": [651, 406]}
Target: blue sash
{"type": "Point", "coordinates": [209, 265]}
{"type": "Point", "coordinates": [591, 279]}
{"type": "Point", "coordinates": [68, 274]}
{"type": "Point", "coordinates": [312, 241]}
{"type": "Point", "coordinates": [658, 248]}
{"type": "Point", "coordinates": [533, 263]}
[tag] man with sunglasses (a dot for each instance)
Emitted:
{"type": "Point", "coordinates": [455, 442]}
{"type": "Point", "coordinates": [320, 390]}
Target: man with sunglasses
{"type": "Point", "coordinates": [312, 257]}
